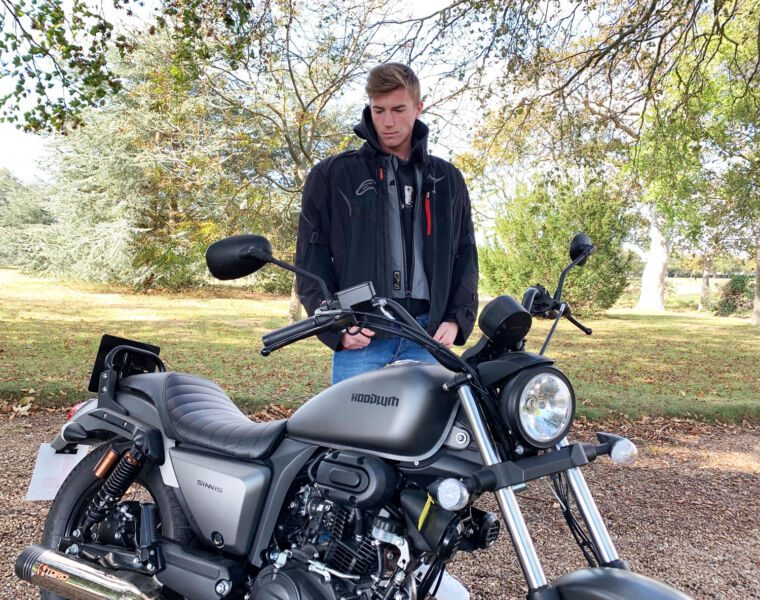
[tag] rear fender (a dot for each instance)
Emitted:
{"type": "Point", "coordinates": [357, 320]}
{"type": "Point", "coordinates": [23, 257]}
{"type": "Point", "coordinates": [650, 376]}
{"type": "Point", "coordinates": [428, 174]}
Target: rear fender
{"type": "Point", "coordinates": [604, 583]}
{"type": "Point", "coordinates": [139, 423]}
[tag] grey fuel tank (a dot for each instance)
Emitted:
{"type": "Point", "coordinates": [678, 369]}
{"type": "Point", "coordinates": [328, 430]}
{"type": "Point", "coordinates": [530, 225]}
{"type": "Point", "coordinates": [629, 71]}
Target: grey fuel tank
{"type": "Point", "coordinates": [400, 412]}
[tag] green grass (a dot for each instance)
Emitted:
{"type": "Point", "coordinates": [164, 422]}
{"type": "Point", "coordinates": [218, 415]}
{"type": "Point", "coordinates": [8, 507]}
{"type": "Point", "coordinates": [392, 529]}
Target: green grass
{"type": "Point", "coordinates": [50, 331]}
{"type": "Point", "coordinates": [684, 365]}
{"type": "Point", "coordinates": [679, 364]}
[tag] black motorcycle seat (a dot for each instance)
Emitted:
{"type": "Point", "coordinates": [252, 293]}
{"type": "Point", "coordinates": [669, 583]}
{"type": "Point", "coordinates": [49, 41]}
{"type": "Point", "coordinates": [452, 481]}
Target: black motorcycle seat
{"type": "Point", "coordinates": [196, 411]}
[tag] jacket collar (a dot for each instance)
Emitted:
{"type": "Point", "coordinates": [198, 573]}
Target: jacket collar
{"type": "Point", "coordinates": [366, 131]}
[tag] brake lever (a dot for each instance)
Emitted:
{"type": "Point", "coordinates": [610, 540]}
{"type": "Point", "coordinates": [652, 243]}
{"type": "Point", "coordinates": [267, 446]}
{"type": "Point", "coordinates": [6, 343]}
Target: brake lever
{"type": "Point", "coordinates": [579, 325]}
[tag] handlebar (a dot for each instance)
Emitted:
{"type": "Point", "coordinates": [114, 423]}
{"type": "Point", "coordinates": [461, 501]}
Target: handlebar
{"type": "Point", "coordinates": [279, 335]}
{"type": "Point", "coordinates": [278, 338]}
{"type": "Point", "coordinates": [332, 318]}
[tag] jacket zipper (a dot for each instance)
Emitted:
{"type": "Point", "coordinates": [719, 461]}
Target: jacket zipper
{"type": "Point", "coordinates": [400, 200]}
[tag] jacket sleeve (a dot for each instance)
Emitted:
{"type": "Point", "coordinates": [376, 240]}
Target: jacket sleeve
{"type": "Point", "coordinates": [463, 295]}
{"type": "Point", "coordinates": [313, 248]}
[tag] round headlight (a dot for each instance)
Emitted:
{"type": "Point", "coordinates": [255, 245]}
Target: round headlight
{"type": "Point", "coordinates": [539, 406]}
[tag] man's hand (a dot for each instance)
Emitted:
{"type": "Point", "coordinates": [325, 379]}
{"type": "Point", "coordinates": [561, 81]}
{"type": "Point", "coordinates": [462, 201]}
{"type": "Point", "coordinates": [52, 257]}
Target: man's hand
{"type": "Point", "coordinates": [356, 341]}
{"type": "Point", "coordinates": [447, 333]}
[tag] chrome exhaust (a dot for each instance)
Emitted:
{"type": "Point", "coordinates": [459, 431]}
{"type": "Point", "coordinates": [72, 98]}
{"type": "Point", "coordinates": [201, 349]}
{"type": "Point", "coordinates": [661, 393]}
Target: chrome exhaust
{"type": "Point", "coordinates": [73, 578]}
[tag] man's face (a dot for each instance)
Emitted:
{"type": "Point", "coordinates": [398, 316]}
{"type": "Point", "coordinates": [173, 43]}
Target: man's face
{"type": "Point", "coordinates": [393, 115]}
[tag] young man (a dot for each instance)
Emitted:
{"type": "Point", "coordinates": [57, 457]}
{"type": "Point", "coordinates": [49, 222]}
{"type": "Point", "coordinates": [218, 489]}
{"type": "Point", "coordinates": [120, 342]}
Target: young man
{"type": "Point", "coordinates": [395, 215]}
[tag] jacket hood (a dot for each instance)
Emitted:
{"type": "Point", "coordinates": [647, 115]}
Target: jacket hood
{"type": "Point", "coordinates": [366, 131]}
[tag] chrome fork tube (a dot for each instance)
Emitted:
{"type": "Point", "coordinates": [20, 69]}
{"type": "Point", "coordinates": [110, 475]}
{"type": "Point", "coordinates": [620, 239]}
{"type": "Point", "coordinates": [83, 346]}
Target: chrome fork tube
{"type": "Point", "coordinates": [510, 509]}
{"type": "Point", "coordinates": [590, 513]}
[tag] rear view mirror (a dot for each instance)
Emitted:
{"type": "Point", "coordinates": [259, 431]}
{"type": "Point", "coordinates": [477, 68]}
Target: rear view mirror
{"type": "Point", "coordinates": [238, 256]}
{"type": "Point", "coordinates": [581, 244]}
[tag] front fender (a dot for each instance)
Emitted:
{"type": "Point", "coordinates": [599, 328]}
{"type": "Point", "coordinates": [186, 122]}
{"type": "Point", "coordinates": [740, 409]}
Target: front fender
{"type": "Point", "coordinates": [604, 583]}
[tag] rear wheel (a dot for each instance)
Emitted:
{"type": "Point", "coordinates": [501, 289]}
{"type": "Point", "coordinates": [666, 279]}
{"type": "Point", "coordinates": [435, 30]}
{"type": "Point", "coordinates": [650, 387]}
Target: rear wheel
{"type": "Point", "coordinates": [67, 512]}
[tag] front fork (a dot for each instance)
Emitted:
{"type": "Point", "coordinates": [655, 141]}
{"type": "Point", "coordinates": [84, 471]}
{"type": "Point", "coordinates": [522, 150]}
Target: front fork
{"type": "Point", "coordinates": [510, 508]}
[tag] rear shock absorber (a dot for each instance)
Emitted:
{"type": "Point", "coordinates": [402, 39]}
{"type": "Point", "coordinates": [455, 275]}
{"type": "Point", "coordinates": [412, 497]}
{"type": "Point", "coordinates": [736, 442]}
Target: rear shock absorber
{"type": "Point", "coordinates": [118, 482]}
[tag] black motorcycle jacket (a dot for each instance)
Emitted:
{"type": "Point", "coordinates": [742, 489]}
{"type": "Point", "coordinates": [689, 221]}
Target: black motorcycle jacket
{"type": "Point", "coordinates": [345, 237]}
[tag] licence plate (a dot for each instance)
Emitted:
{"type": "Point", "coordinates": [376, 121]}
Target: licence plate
{"type": "Point", "coordinates": [51, 469]}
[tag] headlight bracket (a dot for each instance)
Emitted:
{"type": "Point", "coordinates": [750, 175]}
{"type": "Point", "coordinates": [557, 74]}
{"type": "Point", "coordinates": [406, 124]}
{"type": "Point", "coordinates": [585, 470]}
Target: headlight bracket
{"type": "Point", "coordinates": [509, 473]}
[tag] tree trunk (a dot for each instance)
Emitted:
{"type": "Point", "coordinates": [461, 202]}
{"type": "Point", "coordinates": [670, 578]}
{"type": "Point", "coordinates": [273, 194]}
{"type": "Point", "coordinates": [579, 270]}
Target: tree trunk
{"type": "Point", "coordinates": [704, 298]}
{"type": "Point", "coordinates": [653, 279]}
{"type": "Point", "coordinates": [756, 302]}
{"type": "Point", "coordinates": [294, 310]}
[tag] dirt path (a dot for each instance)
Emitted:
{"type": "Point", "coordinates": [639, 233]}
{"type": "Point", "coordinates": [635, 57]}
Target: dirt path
{"type": "Point", "coordinates": [687, 513]}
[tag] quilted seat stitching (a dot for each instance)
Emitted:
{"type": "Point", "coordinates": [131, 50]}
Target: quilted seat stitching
{"type": "Point", "coordinates": [200, 412]}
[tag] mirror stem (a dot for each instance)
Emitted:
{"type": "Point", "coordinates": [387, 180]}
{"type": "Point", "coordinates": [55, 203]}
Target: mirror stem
{"type": "Point", "coordinates": [558, 293]}
{"type": "Point", "coordinates": [271, 259]}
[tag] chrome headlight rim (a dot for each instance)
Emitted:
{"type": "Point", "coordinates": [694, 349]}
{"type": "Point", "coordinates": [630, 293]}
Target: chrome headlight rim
{"type": "Point", "coordinates": [509, 406]}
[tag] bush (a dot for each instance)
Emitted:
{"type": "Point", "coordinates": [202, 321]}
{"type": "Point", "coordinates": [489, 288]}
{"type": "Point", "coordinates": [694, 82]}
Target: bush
{"type": "Point", "coordinates": [532, 239]}
{"type": "Point", "coordinates": [736, 296]}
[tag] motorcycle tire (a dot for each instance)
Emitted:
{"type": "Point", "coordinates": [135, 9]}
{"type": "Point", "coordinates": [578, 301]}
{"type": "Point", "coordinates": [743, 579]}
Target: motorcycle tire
{"type": "Point", "coordinates": [81, 485]}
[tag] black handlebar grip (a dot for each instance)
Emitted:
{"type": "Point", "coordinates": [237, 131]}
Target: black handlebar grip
{"type": "Point", "coordinates": [278, 335]}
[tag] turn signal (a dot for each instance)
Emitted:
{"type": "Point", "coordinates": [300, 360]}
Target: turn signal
{"type": "Point", "coordinates": [624, 452]}
{"type": "Point", "coordinates": [452, 495]}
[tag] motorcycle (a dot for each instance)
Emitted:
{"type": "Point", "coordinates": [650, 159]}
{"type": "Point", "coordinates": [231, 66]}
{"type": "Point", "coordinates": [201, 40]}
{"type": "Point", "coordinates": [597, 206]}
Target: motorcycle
{"type": "Point", "coordinates": [370, 480]}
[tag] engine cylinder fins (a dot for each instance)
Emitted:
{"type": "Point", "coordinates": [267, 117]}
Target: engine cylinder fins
{"type": "Point", "coordinates": [345, 552]}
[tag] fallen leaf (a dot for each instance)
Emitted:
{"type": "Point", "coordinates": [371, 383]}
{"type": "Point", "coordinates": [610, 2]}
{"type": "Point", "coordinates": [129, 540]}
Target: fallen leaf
{"type": "Point", "coordinates": [22, 410]}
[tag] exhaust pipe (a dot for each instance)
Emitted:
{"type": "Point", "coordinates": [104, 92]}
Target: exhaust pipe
{"type": "Point", "coordinates": [73, 578]}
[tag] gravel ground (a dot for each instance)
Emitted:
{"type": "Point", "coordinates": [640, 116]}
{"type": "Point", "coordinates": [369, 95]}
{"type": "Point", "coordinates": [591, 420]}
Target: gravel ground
{"type": "Point", "coordinates": [688, 512]}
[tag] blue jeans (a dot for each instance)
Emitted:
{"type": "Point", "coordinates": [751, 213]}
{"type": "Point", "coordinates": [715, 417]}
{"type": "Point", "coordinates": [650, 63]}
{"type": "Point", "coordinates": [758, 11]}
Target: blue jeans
{"type": "Point", "coordinates": [377, 354]}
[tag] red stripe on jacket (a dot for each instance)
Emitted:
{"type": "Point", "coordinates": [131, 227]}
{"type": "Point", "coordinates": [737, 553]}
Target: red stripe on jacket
{"type": "Point", "coordinates": [427, 212]}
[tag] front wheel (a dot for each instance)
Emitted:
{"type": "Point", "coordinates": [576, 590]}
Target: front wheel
{"type": "Point", "coordinates": [119, 526]}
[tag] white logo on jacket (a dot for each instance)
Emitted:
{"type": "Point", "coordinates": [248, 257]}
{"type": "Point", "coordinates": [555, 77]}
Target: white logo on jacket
{"type": "Point", "coordinates": [365, 186]}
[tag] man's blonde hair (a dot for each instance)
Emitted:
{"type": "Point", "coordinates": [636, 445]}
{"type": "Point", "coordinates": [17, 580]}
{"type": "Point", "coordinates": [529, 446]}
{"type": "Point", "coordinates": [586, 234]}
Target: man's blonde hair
{"type": "Point", "coordinates": [390, 76]}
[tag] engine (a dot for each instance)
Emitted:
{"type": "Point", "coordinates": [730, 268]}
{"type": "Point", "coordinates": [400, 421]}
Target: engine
{"type": "Point", "coordinates": [335, 539]}
{"type": "Point", "coordinates": [348, 531]}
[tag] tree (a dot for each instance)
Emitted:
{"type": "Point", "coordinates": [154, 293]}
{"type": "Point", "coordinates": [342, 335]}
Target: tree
{"type": "Point", "coordinates": [148, 184]}
{"type": "Point", "coordinates": [654, 104]}
{"type": "Point", "coordinates": [668, 161]}
{"type": "Point", "coordinates": [56, 58]}
{"type": "Point", "coordinates": [290, 74]}
{"type": "Point", "coordinates": [591, 50]}
{"type": "Point", "coordinates": [23, 210]}
{"type": "Point", "coordinates": [730, 116]}
{"type": "Point", "coordinates": [56, 54]}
